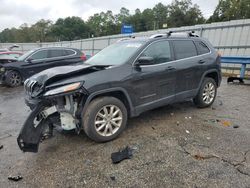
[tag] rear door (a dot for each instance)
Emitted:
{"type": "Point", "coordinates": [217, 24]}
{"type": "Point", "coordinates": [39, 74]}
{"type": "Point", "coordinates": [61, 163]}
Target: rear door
{"type": "Point", "coordinates": [156, 82]}
{"type": "Point", "coordinates": [62, 57]}
{"type": "Point", "coordinates": [204, 58]}
{"type": "Point", "coordinates": [188, 69]}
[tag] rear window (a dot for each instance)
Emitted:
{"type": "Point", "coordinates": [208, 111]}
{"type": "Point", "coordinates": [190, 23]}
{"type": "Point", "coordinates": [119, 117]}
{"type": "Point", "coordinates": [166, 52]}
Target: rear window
{"type": "Point", "coordinates": [56, 53]}
{"type": "Point", "coordinates": [201, 47]}
{"type": "Point", "coordinates": [184, 49]}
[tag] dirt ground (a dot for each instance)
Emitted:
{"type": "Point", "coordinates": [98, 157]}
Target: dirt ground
{"type": "Point", "coordinates": [174, 146]}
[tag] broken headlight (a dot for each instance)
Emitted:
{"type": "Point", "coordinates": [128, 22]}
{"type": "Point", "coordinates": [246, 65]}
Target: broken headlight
{"type": "Point", "coordinates": [63, 89]}
{"type": "Point", "coordinates": [2, 69]}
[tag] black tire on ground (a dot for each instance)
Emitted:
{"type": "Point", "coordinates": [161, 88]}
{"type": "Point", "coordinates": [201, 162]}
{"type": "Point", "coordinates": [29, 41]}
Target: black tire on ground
{"type": "Point", "coordinates": [13, 78]}
{"type": "Point", "coordinates": [198, 100]}
{"type": "Point", "coordinates": [90, 118]}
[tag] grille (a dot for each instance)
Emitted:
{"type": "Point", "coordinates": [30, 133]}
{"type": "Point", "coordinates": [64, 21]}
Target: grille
{"type": "Point", "coordinates": [29, 86]}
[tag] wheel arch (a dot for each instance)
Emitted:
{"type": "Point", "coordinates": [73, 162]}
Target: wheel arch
{"type": "Point", "coordinates": [119, 93]}
{"type": "Point", "coordinates": [16, 70]}
{"type": "Point", "coordinates": [211, 74]}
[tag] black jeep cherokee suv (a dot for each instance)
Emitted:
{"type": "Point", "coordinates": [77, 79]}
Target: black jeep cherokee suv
{"type": "Point", "coordinates": [37, 60]}
{"type": "Point", "coordinates": [121, 81]}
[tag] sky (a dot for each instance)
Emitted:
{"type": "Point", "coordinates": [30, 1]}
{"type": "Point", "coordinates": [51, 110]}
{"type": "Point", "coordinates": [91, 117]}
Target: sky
{"type": "Point", "coordinates": [13, 13]}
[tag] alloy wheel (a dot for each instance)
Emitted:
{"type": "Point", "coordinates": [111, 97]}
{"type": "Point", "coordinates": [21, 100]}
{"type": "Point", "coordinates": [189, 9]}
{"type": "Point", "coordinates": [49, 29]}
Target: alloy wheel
{"type": "Point", "coordinates": [108, 120]}
{"type": "Point", "coordinates": [208, 93]}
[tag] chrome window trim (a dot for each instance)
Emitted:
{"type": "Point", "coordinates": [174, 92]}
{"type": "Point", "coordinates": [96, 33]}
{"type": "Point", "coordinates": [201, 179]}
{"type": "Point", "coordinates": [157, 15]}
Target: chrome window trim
{"type": "Point", "coordinates": [51, 57]}
{"type": "Point", "coordinates": [133, 64]}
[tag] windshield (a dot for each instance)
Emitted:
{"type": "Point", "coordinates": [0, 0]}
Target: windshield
{"type": "Point", "coordinates": [115, 54]}
{"type": "Point", "coordinates": [24, 56]}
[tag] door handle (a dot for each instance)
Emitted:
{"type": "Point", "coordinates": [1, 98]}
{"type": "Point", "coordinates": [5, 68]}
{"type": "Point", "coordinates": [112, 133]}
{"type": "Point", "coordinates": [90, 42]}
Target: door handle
{"type": "Point", "coordinates": [169, 68]}
{"type": "Point", "coordinates": [201, 61]}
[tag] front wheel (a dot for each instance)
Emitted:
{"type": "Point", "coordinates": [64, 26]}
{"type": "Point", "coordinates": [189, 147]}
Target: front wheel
{"type": "Point", "coordinates": [206, 94]}
{"type": "Point", "coordinates": [13, 78]}
{"type": "Point", "coordinates": [104, 119]}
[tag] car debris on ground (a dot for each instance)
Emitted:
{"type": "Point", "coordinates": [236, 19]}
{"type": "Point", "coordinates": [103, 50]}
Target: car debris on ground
{"type": "Point", "coordinates": [112, 178]}
{"type": "Point", "coordinates": [1, 146]}
{"type": "Point", "coordinates": [119, 156]}
{"type": "Point", "coordinates": [15, 178]}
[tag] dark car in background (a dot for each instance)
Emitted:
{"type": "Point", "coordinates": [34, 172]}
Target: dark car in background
{"type": "Point", "coordinates": [34, 61]}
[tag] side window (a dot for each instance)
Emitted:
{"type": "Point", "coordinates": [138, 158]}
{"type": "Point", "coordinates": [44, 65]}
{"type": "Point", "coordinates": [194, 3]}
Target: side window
{"type": "Point", "coordinates": [56, 53]}
{"type": "Point", "coordinates": [201, 47]}
{"type": "Point", "coordinates": [160, 51]}
{"type": "Point", "coordinates": [69, 52]}
{"type": "Point", "coordinates": [42, 54]}
{"type": "Point", "coordinates": [184, 49]}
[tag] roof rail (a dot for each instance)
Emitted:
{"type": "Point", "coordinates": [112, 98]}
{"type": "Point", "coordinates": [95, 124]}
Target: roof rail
{"type": "Point", "coordinates": [182, 34]}
{"type": "Point", "coordinates": [122, 39]}
{"type": "Point", "coordinates": [174, 34]}
{"type": "Point", "coordinates": [192, 34]}
{"type": "Point", "coordinates": [158, 35]}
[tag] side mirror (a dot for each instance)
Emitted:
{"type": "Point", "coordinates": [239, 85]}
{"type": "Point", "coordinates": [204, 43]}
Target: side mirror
{"type": "Point", "coordinates": [29, 60]}
{"type": "Point", "coordinates": [145, 60]}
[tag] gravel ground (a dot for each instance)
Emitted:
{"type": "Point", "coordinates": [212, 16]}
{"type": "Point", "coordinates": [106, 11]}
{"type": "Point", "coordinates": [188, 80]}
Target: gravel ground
{"type": "Point", "coordinates": [173, 146]}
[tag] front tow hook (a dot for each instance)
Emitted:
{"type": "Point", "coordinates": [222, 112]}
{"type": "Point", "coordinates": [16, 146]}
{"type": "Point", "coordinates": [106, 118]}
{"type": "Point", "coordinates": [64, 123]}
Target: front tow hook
{"type": "Point", "coordinates": [30, 135]}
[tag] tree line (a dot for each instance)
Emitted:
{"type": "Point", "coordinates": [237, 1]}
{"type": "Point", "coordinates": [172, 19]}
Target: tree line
{"type": "Point", "coordinates": [178, 13]}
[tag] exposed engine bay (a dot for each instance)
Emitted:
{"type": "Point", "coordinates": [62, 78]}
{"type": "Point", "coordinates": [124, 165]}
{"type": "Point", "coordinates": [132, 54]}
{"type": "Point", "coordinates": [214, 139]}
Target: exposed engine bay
{"type": "Point", "coordinates": [57, 105]}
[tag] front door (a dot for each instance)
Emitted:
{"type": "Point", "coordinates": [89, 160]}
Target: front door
{"type": "Point", "coordinates": [36, 62]}
{"type": "Point", "coordinates": [154, 84]}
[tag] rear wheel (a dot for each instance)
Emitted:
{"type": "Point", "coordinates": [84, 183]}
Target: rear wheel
{"type": "Point", "coordinates": [13, 78]}
{"type": "Point", "coordinates": [104, 119]}
{"type": "Point", "coordinates": [206, 94]}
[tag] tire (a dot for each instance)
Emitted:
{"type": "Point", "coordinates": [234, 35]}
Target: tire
{"type": "Point", "coordinates": [13, 78]}
{"type": "Point", "coordinates": [94, 118]}
{"type": "Point", "coordinates": [207, 93]}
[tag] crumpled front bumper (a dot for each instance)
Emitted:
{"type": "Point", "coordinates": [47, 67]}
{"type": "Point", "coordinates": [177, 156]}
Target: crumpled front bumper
{"type": "Point", "coordinates": [30, 135]}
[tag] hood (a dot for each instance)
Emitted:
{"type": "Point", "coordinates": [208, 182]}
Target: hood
{"type": "Point", "coordinates": [59, 73]}
{"type": "Point", "coordinates": [13, 63]}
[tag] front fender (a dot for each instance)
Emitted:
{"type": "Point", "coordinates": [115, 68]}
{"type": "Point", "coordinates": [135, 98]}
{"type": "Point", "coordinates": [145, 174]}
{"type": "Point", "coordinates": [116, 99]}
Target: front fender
{"type": "Point", "coordinates": [92, 95]}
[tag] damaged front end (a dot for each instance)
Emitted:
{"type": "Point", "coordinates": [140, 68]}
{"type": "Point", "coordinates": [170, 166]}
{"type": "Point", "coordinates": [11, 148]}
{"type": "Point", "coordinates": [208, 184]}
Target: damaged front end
{"type": "Point", "coordinates": [63, 103]}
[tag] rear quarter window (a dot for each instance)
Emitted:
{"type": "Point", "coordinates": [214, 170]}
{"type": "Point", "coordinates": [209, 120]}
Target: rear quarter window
{"type": "Point", "coordinates": [184, 49]}
{"type": "Point", "coordinates": [201, 47]}
{"type": "Point", "coordinates": [70, 52]}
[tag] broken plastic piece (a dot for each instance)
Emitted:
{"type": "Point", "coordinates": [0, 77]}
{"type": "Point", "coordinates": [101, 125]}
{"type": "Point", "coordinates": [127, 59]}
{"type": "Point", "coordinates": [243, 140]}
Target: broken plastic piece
{"type": "Point", "coordinates": [1, 146]}
{"type": "Point", "coordinates": [30, 135]}
{"type": "Point", "coordinates": [121, 155]}
{"type": "Point", "coordinates": [112, 178]}
{"type": "Point", "coordinates": [15, 178]}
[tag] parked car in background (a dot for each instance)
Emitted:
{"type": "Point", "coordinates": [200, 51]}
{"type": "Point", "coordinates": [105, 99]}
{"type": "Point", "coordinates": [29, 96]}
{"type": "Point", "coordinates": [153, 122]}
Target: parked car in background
{"type": "Point", "coordinates": [34, 61]}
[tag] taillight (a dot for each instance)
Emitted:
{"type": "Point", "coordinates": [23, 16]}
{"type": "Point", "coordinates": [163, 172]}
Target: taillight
{"type": "Point", "coordinates": [218, 61]}
{"type": "Point", "coordinates": [83, 57]}
{"type": "Point", "coordinates": [218, 53]}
